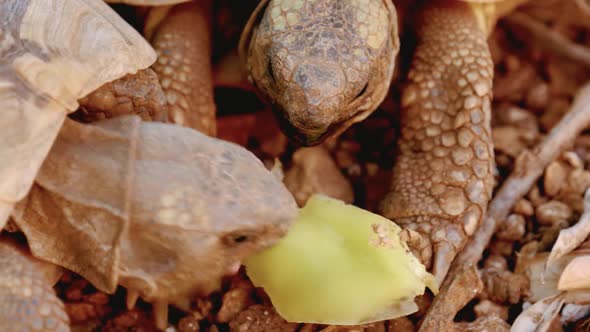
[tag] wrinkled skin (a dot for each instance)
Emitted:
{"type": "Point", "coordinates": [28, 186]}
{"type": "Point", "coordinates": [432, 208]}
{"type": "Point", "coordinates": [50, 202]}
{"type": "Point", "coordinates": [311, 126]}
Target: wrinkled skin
{"type": "Point", "coordinates": [163, 210]}
{"type": "Point", "coordinates": [138, 93]}
{"type": "Point", "coordinates": [182, 40]}
{"type": "Point", "coordinates": [323, 64]}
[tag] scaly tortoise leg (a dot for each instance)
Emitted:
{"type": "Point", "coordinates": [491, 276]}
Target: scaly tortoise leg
{"type": "Point", "coordinates": [27, 299]}
{"type": "Point", "coordinates": [138, 93]}
{"type": "Point", "coordinates": [183, 43]}
{"type": "Point", "coordinates": [442, 179]}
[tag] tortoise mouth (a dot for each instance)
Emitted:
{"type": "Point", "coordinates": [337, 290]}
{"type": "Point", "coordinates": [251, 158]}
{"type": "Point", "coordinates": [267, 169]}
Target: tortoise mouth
{"type": "Point", "coordinates": [298, 135]}
{"type": "Point", "coordinates": [309, 137]}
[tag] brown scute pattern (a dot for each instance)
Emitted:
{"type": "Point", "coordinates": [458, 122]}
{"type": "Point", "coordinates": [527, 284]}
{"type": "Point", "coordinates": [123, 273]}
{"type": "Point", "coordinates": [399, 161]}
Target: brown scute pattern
{"type": "Point", "coordinates": [183, 45]}
{"type": "Point", "coordinates": [443, 177]}
{"type": "Point", "coordinates": [138, 94]}
{"type": "Point", "coordinates": [323, 62]}
{"type": "Point", "coordinates": [27, 299]}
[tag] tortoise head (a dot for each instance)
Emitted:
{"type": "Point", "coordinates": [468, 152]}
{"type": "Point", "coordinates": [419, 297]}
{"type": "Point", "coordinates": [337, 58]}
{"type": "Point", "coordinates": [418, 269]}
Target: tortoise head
{"type": "Point", "coordinates": [323, 64]}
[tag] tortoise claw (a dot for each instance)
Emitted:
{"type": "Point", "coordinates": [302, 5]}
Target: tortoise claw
{"type": "Point", "coordinates": [444, 253]}
{"type": "Point", "coordinates": [160, 309]}
{"type": "Point", "coordinates": [434, 241]}
{"type": "Point", "coordinates": [132, 296]}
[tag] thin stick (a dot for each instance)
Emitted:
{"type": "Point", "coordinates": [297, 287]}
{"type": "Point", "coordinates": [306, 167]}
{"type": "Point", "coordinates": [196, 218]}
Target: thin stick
{"type": "Point", "coordinates": [550, 40]}
{"type": "Point", "coordinates": [528, 168]}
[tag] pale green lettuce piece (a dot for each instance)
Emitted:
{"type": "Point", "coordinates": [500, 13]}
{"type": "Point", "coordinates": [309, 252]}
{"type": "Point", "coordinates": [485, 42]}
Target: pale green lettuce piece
{"type": "Point", "coordinates": [341, 265]}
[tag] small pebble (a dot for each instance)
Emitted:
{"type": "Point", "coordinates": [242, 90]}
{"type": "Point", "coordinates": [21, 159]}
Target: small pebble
{"type": "Point", "coordinates": [524, 207]}
{"type": "Point", "coordinates": [555, 175]}
{"type": "Point", "coordinates": [538, 96]}
{"type": "Point", "coordinates": [487, 308]}
{"type": "Point", "coordinates": [512, 229]}
{"type": "Point", "coordinates": [553, 212]}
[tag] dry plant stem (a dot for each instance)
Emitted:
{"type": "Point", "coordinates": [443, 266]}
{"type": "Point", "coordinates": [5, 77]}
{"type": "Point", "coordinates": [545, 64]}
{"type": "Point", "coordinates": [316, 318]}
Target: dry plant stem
{"type": "Point", "coordinates": [550, 39]}
{"type": "Point", "coordinates": [529, 167]}
{"type": "Point", "coordinates": [570, 238]}
{"type": "Point", "coordinates": [183, 44]}
{"type": "Point", "coordinates": [463, 288]}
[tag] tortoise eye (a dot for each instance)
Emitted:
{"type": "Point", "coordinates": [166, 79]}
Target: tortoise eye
{"type": "Point", "coordinates": [271, 72]}
{"type": "Point", "coordinates": [240, 238]}
{"type": "Point", "coordinates": [362, 92]}
{"type": "Point", "coordinates": [235, 239]}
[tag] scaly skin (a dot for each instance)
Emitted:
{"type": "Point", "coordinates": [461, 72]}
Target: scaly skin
{"type": "Point", "coordinates": [138, 93]}
{"type": "Point", "coordinates": [324, 64]}
{"type": "Point", "coordinates": [183, 44]}
{"type": "Point", "coordinates": [27, 299]}
{"type": "Point", "coordinates": [442, 180]}
{"type": "Point", "coordinates": [299, 54]}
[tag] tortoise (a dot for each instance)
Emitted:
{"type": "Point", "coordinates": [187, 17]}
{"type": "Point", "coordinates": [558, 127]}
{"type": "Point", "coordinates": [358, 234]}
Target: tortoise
{"type": "Point", "coordinates": [151, 206]}
{"type": "Point", "coordinates": [455, 183]}
{"type": "Point", "coordinates": [326, 65]}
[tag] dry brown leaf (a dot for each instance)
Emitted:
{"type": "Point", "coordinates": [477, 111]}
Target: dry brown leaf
{"type": "Point", "coordinates": [162, 210]}
{"type": "Point", "coordinates": [542, 282]}
{"type": "Point", "coordinates": [570, 238]}
{"type": "Point", "coordinates": [574, 312]}
{"type": "Point", "coordinates": [539, 316]}
{"type": "Point", "coordinates": [576, 274]}
{"type": "Point", "coordinates": [53, 52]}
{"type": "Point", "coordinates": [577, 296]}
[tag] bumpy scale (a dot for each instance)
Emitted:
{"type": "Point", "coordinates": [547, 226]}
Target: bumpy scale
{"type": "Point", "coordinates": [443, 180]}
{"type": "Point", "coordinates": [324, 64]}
{"type": "Point", "coordinates": [27, 300]}
{"type": "Point", "coordinates": [138, 93]}
{"type": "Point", "coordinates": [183, 44]}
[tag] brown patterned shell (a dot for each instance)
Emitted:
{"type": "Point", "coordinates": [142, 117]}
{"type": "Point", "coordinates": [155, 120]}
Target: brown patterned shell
{"type": "Point", "coordinates": [53, 52]}
{"type": "Point", "coordinates": [325, 64]}
{"type": "Point", "coordinates": [27, 300]}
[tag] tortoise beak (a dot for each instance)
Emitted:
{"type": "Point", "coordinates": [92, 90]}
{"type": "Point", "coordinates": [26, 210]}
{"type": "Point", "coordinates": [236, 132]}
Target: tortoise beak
{"type": "Point", "coordinates": [298, 134]}
{"type": "Point", "coordinates": [307, 137]}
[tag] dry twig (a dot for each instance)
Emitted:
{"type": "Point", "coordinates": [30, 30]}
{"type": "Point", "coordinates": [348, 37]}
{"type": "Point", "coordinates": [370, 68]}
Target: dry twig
{"type": "Point", "coordinates": [528, 168]}
{"type": "Point", "coordinates": [570, 238]}
{"type": "Point", "coordinates": [550, 40]}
